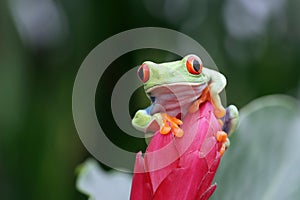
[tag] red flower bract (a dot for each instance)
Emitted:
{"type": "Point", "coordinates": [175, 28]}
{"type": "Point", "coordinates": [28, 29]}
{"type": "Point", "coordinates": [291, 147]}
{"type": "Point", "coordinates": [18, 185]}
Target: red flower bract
{"type": "Point", "coordinates": [180, 168]}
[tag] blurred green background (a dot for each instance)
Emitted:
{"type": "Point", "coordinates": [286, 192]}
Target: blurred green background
{"type": "Point", "coordinates": [256, 44]}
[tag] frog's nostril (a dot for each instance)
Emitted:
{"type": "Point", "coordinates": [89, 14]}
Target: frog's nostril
{"type": "Point", "coordinates": [143, 73]}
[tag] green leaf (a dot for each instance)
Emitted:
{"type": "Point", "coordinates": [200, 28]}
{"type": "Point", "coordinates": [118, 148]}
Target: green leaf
{"type": "Point", "coordinates": [99, 185]}
{"type": "Point", "coordinates": [263, 159]}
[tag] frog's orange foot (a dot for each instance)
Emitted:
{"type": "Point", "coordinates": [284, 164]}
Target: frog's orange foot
{"type": "Point", "coordinates": [221, 137]}
{"type": "Point", "coordinates": [171, 124]}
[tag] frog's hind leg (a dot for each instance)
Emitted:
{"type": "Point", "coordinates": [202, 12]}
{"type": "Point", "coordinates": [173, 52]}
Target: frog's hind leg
{"type": "Point", "coordinates": [231, 119]}
{"type": "Point", "coordinates": [230, 122]}
{"type": "Point", "coordinates": [208, 95]}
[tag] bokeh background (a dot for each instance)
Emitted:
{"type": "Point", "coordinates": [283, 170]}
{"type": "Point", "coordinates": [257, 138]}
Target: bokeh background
{"type": "Point", "coordinates": [256, 44]}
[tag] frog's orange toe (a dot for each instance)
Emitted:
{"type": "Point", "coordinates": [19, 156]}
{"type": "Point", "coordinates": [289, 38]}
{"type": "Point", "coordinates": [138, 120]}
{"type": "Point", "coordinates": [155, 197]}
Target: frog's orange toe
{"type": "Point", "coordinates": [171, 124]}
{"type": "Point", "coordinates": [221, 136]}
{"type": "Point", "coordinates": [176, 121]}
{"type": "Point", "coordinates": [178, 132]}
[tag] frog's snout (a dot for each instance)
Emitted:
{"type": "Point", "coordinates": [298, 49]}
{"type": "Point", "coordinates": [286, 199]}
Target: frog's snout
{"type": "Point", "coordinates": [143, 72]}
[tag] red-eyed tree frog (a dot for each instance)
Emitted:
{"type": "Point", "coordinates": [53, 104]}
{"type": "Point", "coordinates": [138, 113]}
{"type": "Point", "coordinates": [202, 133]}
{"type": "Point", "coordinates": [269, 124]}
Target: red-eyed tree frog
{"type": "Point", "coordinates": [176, 88]}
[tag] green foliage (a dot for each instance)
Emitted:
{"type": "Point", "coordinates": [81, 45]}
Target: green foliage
{"type": "Point", "coordinates": [262, 161]}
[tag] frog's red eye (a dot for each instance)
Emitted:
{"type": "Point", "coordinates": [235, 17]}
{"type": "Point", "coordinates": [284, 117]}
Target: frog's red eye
{"type": "Point", "coordinates": [194, 65]}
{"type": "Point", "coordinates": [143, 73]}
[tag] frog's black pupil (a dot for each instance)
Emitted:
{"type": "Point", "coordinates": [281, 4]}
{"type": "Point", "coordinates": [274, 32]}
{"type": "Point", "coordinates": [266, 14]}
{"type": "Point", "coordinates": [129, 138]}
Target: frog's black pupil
{"type": "Point", "coordinates": [196, 65]}
{"type": "Point", "coordinates": [141, 73]}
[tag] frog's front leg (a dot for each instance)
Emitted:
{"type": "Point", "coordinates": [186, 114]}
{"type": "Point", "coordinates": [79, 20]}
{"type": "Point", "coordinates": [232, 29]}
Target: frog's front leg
{"type": "Point", "coordinates": [145, 122]}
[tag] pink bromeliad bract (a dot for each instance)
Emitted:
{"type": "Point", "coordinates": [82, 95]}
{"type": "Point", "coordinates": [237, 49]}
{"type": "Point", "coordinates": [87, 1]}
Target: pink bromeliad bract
{"type": "Point", "coordinates": [181, 168]}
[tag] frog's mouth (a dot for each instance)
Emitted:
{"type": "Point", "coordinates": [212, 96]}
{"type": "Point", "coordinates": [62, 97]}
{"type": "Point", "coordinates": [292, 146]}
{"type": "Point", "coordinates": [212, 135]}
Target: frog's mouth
{"type": "Point", "coordinates": [176, 88]}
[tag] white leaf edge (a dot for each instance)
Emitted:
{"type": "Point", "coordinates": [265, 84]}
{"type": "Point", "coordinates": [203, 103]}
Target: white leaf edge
{"type": "Point", "coordinates": [101, 185]}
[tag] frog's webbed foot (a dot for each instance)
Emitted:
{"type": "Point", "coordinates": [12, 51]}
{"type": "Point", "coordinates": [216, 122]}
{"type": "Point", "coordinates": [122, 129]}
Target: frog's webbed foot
{"type": "Point", "coordinates": [160, 121]}
{"type": "Point", "coordinates": [231, 119]}
{"type": "Point", "coordinates": [171, 124]}
{"type": "Point", "coordinates": [230, 122]}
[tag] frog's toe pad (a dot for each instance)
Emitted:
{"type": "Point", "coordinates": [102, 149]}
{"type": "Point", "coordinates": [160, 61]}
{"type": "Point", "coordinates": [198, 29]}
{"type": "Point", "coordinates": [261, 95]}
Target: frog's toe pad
{"type": "Point", "coordinates": [165, 129]}
{"type": "Point", "coordinates": [221, 137]}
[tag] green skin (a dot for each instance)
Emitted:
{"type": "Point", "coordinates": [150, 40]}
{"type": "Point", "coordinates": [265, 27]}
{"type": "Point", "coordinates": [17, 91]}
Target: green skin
{"type": "Point", "coordinates": [175, 75]}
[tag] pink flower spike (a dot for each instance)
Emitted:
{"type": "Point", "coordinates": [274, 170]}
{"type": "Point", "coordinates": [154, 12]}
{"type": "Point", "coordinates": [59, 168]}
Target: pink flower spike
{"type": "Point", "coordinates": [183, 179]}
{"type": "Point", "coordinates": [161, 158]}
{"type": "Point", "coordinates": [180, 168]}
{"type": "Point", "coordinates": [140, 181]}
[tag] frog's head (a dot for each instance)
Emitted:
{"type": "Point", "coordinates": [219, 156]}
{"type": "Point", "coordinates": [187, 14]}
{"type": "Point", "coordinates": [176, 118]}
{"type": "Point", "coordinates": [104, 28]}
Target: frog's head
{"type": "Point", "coordinates": [187, 71]}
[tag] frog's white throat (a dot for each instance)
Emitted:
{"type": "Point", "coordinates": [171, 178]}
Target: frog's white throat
{"type": "Point", "coordinates": [174, 99]}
